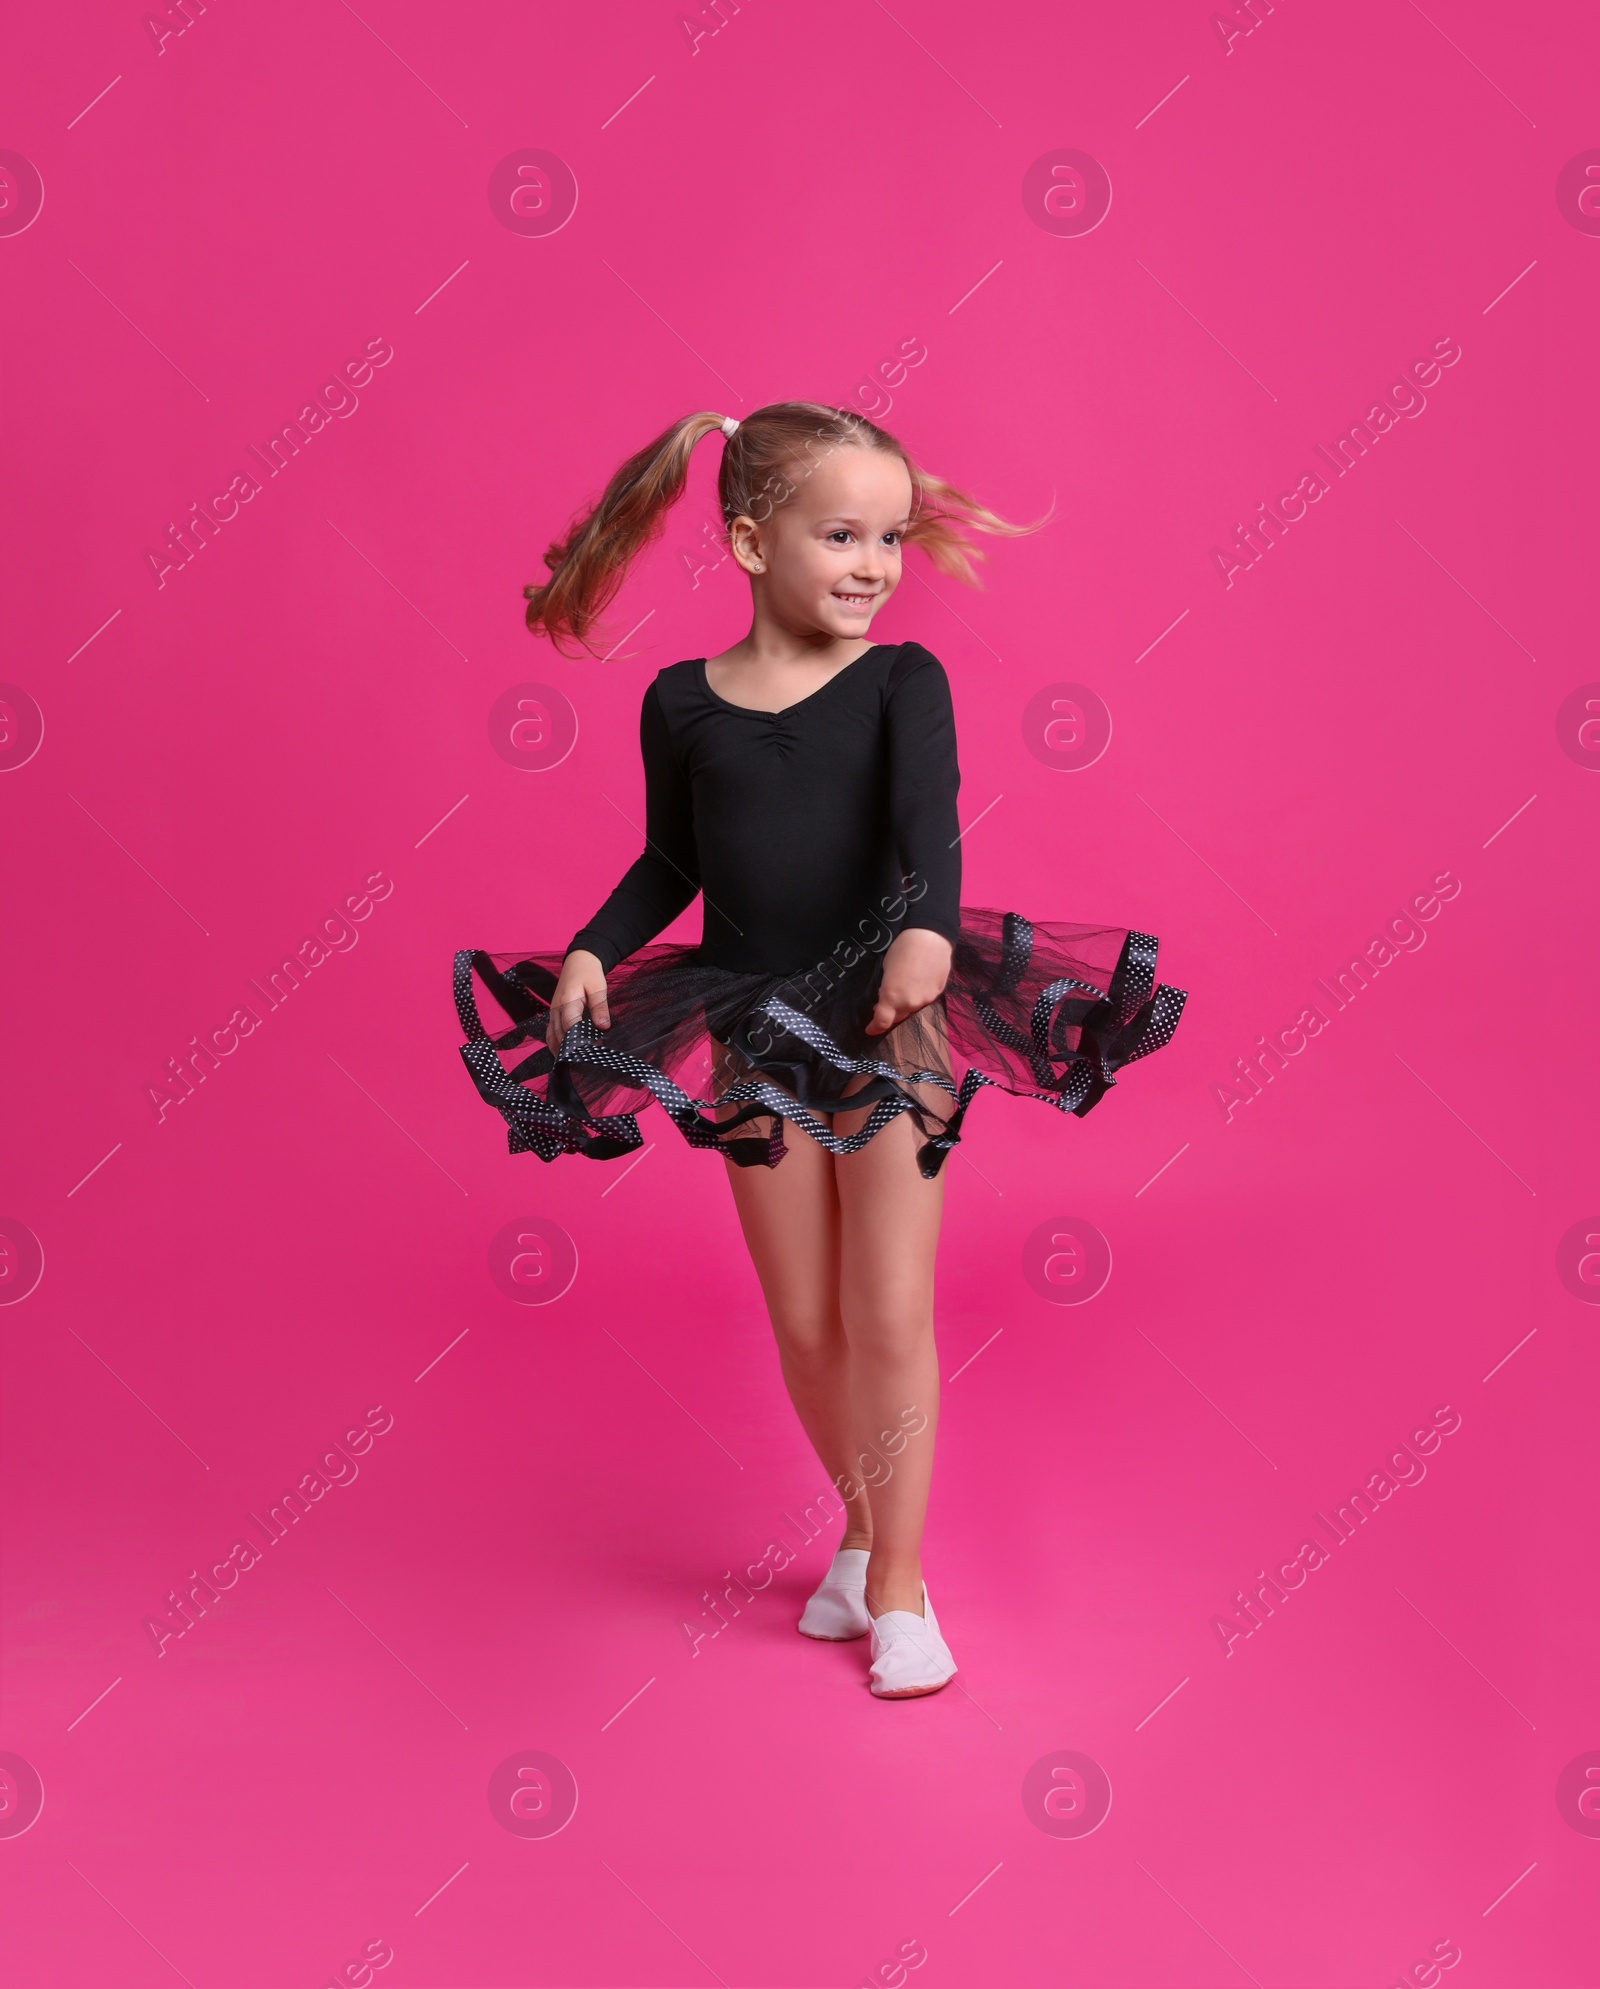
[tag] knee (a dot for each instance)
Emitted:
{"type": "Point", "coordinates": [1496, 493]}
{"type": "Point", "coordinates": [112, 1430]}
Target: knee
{"type": "Point", "coordinates": [889, 1335]}
{"type": "Point", "coordinates": [807, 1338]}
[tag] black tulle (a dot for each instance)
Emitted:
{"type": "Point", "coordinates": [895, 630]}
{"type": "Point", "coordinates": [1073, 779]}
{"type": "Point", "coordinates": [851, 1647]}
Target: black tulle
{"type": "Point", "coordinates": [1049, 1011]}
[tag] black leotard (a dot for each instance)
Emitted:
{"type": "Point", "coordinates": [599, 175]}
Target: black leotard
{"type": "Point", "coordinates": [796, 824]}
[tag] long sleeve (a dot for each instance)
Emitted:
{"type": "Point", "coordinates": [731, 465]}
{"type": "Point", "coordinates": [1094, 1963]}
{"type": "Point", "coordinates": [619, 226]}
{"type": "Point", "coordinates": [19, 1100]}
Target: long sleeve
{"type": "Point", "coordinates": [923, 779]}
{"type": "Point", "coordinates": [667, 876]}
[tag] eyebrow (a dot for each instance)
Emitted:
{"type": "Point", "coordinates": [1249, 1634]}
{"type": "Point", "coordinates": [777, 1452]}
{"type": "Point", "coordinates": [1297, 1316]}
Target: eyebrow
{"type": "Point", "coordinates": [860, 523]}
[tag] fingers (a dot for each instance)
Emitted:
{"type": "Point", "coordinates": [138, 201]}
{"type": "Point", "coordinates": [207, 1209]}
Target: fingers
{"type": "Point", "coordinates": [885, 1015]}
{"type": "Point", "coordinates": [569, 1001]}
{"type": "Point", "coordinates": [563, 1014]}
{"type": "Point", "coordinates": [896, 1005]}
{"type": "Point", "coordinates": [565, 1008]}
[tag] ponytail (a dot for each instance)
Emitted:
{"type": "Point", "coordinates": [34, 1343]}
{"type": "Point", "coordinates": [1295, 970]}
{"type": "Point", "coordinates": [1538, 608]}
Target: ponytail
{"type": "Point", "coordinates": [942, 518]}
{"type": "Point", "coordinates": [766, 455]}
{"type": "Point", "coordinates": [589, 564]}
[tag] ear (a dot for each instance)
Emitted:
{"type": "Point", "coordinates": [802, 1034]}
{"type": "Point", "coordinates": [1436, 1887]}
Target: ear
{"type": "Point", "coordinates": [744, 536]}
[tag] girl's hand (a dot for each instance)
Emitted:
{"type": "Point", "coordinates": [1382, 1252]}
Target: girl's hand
{"type": "Point", "coordinates": [582, 986]}
{"type": "Point", "coordinates": [915, 970]}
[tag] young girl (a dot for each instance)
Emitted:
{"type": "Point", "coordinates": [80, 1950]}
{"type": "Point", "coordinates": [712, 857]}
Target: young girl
{"type": "Point", "coordinates": [803, 783]}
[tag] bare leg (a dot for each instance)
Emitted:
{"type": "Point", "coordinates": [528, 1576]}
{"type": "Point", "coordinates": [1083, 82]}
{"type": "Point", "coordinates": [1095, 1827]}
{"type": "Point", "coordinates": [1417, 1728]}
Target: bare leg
{"type": "Point", "coordinates": [888, 1235]}
{"type": "Point", "coordinates": [790, 1218]}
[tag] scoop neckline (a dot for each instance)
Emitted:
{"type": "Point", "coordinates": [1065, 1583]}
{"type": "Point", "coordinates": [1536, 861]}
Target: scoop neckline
{"type": "Point", "coordinates": [760, 711]}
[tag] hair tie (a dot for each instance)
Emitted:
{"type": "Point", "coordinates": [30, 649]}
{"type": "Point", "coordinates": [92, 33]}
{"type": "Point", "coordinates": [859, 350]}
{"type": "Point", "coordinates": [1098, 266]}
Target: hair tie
{"type": "Point", "coordinates": [729, 425]}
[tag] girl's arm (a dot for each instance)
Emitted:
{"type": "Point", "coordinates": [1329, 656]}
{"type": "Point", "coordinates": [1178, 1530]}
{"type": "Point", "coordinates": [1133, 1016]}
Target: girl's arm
{"type": "Point", "coordinates": [655, 889]}
{"type": "Point", "coordinates": [923, 779]}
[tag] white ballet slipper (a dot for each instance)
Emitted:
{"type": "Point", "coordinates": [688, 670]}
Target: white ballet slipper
{"type": "Point", "coordinates": [838, 1609]}
{"type": "Point", "coordinates": [909, 1657]}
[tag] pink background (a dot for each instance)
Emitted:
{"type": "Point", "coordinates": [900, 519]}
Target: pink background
{"type": "Point", "coordinates": [770, 212]}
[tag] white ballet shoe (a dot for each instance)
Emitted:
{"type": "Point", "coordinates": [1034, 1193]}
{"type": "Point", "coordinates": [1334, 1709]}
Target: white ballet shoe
{"type": "Point", "coordinates": [909, 1657]}
{"type": "Point", "coordinates": [838, 1610]}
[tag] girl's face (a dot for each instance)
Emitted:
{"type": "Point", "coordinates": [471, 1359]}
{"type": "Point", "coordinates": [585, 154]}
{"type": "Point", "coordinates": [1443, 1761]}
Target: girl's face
{"type": "Point", "coordinates": [829, 555]}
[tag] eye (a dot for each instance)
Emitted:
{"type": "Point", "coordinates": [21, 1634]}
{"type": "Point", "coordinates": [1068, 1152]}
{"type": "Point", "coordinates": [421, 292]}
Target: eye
{"type": "Point", "coordinates": [892, 538]}
{"type": "Point", "coordinates": [839, 536]}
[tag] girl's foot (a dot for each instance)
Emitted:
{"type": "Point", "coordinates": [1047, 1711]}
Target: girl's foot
{"type": "Point", "coordinates": [838, 1610]}
{"type": "Point", "coordinates": [909, 1657]}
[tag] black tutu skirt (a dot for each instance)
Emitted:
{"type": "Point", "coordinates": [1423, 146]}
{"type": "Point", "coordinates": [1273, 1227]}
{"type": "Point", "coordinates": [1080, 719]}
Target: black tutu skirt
{"type": "Point", "coordinates": [1047, 1011]}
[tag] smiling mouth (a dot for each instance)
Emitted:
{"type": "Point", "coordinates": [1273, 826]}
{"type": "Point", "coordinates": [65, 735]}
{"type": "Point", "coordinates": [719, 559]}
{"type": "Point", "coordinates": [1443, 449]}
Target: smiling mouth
{"type": "Point", "coordinates": [854, 600]}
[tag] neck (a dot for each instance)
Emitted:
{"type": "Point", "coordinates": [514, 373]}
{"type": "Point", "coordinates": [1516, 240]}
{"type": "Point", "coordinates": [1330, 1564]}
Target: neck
{"type": "Point", "coordinates": [773, 641]}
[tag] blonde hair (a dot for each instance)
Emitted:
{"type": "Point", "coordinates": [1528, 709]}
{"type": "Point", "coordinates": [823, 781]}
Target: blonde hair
{"type": "Point", "coordinates": [588, 566]}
